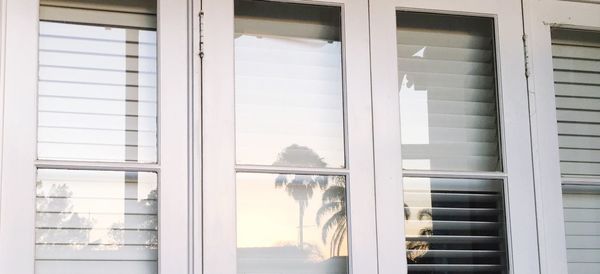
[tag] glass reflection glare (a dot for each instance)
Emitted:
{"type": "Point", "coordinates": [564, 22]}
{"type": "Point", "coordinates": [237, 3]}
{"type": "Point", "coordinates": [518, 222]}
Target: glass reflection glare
{"type": "Point", "coordinates": [97, 93]}
{"type": "Point", "coordinates": [87, 216]}
{"type": "Point", "coordinates": [288, 82]}
{"type": "Point", "coordinates": [291, 223]}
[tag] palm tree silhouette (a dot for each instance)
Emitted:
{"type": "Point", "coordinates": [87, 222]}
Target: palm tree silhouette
{"type": "Point", "coordinates": [334, 206]}
{"type": "Point", "coordinates": [299, 186]}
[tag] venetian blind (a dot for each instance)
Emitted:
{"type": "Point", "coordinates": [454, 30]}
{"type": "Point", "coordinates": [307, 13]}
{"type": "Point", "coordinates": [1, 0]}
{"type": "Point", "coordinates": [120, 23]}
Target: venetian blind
{"type": "Point", "coordinates": [447, 92]}
{"type": "Point", "coordinates": [582, 227]}
{"type": "Point", "coordinates": [454, 225]}
{"type": "Point", "coordinates": [576, 58]}
{"type": "Point", "coordinates": [97, 101]}
{"type": "Point", "coordinates": [97, 83]}
{"type": "Point", "coordinates": [96, 222]}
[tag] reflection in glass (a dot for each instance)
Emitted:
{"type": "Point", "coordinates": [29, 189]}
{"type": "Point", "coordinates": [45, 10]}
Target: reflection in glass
{"type": "Point", "coordinates": [582, 226]}
{"type": "Point", "coordinates": [454, 226]}
{"type": "Point", "coordinates": [288, 78]}
{"type": "Point", "coordinates": [291, 223]}
{"type": "Point", "coordinates": [91, 219]}
{"type": "Point", "coordinates": [447, 92]}
{"type": "Point", "coordinates": [97, 93]}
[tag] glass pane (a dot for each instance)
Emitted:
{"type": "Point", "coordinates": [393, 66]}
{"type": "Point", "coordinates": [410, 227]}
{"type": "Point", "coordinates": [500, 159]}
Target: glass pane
{"type": "Point", "coordinates": [96, 222]}
{"type": "Point", "coordinates": [454, 226]}
{"type": "Point", "coordinates": [291, 224]}
{"type": "Point", "coordinates": [447, 92]}
{"type": "Point", "coordinates": [288, 78]}
{"type": "Point", "coordinates": [576, 58]}
{"type": "Point", "coordinates": [582, 226]}
{"type": "Point", "coordinates": [97, 86]}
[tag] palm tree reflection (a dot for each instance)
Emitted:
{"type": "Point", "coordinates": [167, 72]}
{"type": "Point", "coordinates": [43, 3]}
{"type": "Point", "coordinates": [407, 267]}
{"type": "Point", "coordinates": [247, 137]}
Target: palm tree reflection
{"type": "Point", "coordinates": [300, 187]}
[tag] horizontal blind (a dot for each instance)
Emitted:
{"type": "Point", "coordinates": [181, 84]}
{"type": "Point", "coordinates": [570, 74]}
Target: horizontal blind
{"type": "Point", "coordinates": [96, 222]}
{"type": "Point", "coordinates": [97, 92]}
{"type": "Point", "coordinates": [576, 58]}
{"type": "Point", "coordinates": [131, 13]}
{"type": "Point", "coordinates": [454, 225]}
{"type": "Point", "coordinates": [582, 227]}
{"type": "Point", "coordinates": [447, 92]}
{"type": "Point", "coordinates": [288, 85]}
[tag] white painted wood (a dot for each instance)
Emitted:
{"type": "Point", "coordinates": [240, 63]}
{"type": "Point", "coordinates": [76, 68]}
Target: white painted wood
{"type": "Point", "coordinates": [520, 201]}
{"type": "Point", "coordinates": [174, 89]}
{"type": "Point", "coordinates": [218, 138]}
{"type": "Point", "coordinates": [17, 208]}
{"type": "Point", "coordinates": [540, 16]}
{"type": "Point", "coordinates": [386, 138]}
{"type": "Point", "coordinates": [218, 133]}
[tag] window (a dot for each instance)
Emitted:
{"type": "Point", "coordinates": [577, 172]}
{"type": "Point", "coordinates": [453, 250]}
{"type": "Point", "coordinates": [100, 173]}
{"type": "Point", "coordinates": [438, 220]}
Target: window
{"type": "Point", "coordinates": [289, 112]}
{"type": "Point", "coordinates": [85, 177]}
{"type": "Point", "coordinates": [452, 157]}
{"type": "Point", "coordinates": [576, 82]}
{"type": "Point", "coordinates": [449, 122]}
{"type": "Point", "coordinates": [97, 101]}
{"type": "Point", "coordinates": [287, 169]}
{"type": "Point", "coordinates": [562, 43]}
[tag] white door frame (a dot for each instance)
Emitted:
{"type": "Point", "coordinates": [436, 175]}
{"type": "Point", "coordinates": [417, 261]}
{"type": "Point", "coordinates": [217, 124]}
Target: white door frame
{"type": "Point", "coordinates": [515, 138]}
{"type": "Point", "coordinates": [219, 141]}
{"type": "Point", "coordinates": [540, 17]}
{"type": "Point", "coordinates": [19, 164]}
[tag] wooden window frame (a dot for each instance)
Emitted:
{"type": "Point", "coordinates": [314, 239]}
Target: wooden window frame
{"type": "Point", "coordinates": [517, 171]}
{"type": "Point", "coordinates": [540, 17]}
{"type": "Point", "coordinates": [20, 19]}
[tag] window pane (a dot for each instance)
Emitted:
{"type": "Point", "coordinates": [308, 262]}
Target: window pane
{"type": "Point", "coordinates": [291, 224]}
{"type": "Point", "coordinates": [582, 227]}
{"type": "Point", "coordinates": [454, 226]}
{"type": "Point", "coordinates": [447, 92]}
{"type": "Point", "coordinates": [576, 57]}
{"type": "Point", "coordinates": [288, 78]}
{"type": "Point", "coordinates": [96, 222]}
{"type": "Point", "coordinates": [97, 85]}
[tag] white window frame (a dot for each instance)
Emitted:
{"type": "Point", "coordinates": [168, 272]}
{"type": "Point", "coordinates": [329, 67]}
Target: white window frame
{"type": "Point", "coordinates": [219, 170]}
{"type": "Point", "coordinates": [517, 171]}
{"type": "Point", "coordinates": [20, 19]}
{"type": "Point", "coordinates": [540, 17]}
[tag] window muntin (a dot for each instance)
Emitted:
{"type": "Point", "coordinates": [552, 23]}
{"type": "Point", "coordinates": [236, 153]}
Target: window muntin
{"type": "Point", "coordinates": [97, 97]}
{"type": "Point", "coordinates": [291, 221]}
{"type": "Point", "coordinates": [288, 85]}
{"type": "Point", "coordinates": [576, 62]}
{"type": "Point", "coordinates": [448, 105]}
{"type": "Point", "coordinates": [96, 222]}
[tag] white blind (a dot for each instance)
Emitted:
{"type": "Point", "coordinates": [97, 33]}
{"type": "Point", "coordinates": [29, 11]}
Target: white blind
{"type": "Point", "coordinates": [447, 92]}
{"type": "Point", "coordinates": [97, 101]}
{"type": "Point", "coordinates": [97, 91]}
{"type": "Point", "coordinates": [576, 57]}
{"type": "Point", "coordinates": [582, 227]}
{"type": "Point", "coordinates": [96, 222]}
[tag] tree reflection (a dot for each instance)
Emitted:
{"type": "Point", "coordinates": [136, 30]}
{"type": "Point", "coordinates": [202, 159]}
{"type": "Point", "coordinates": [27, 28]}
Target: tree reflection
{"type": "Point", "coordinates": [418, 249]}
{"type": "Point", "coordinates": [334, 205]}
{"type": "Point", "coordinates": [300, 187]}
{"type": "Point", "coordinates": [56, 217]}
